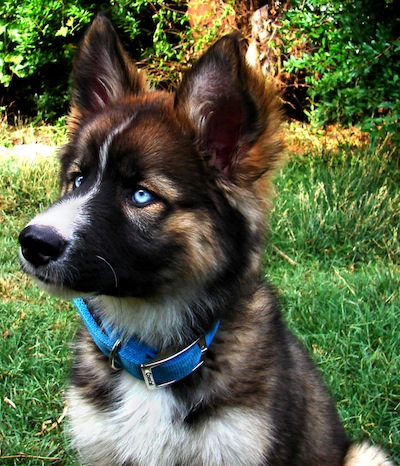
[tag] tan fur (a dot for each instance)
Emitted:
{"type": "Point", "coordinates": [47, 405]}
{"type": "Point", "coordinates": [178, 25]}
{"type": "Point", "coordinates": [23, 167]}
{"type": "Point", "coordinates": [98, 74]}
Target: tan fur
{"type": "Point", "coordinates": [203, 255]}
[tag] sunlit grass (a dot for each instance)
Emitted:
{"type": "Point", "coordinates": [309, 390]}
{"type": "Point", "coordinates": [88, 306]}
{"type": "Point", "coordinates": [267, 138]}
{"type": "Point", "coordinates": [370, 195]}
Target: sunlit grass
{"type": "Point", "coordinates": [333, 253]}
{"type": "Point", "coordinates": [35, 329]}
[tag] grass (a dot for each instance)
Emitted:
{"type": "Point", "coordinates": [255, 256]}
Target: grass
{"type": "Point", "coordinates": [35, 329]}
{"type": "Point", "coordinates": [333, 252]}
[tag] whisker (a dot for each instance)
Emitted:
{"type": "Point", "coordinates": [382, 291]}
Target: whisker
{"type": "Point", "coordinates": [112, 269]}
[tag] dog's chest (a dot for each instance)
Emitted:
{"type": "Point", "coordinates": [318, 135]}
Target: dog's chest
{"type": "Point", "coordinates": [146, 429]}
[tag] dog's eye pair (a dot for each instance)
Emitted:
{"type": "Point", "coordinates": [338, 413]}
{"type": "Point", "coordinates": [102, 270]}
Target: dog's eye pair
{"type": "Point", "coordinates": [141, 197]}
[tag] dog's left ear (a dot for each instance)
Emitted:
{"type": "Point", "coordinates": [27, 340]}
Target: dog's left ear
{"type": "Point", "coordinates": [102, 73]}
{"type": "Point", "coordinates": [232, 111]}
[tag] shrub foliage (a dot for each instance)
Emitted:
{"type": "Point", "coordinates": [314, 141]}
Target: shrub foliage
{"type": "Point", "coordinates": [38, 40]}
{"type": "Point", "coordinates": [346, 54]}
{"type": "Point", "coordinates": [349, 53]}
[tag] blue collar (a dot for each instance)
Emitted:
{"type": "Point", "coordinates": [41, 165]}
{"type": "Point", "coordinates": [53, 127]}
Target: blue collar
{"type": "Point", "coordinates": [142, 361]}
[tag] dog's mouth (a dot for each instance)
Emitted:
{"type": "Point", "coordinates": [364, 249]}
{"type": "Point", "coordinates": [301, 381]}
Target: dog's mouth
{"type": "Point", "coordinates": [55, 280]}
{"type": "Point", "coordinates": [49, 281]}
{"type": "Point", "coordinates": [60, 291]}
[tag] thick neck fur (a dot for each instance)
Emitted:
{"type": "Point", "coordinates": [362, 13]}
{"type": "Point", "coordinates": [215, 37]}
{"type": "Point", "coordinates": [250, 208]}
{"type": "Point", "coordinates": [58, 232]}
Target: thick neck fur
{"type": "Point", "coordinates": [173, 322]}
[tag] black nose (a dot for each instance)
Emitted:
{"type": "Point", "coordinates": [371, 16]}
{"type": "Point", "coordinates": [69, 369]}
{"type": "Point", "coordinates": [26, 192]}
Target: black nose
{"type": "Point", "coordinates": [41, 244]}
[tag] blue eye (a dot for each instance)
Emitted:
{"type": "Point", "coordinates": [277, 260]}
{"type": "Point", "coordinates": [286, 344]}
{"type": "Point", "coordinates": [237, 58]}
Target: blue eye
{"type": "Point", "coordinates": [78, 181]}
{"type": "Point", "coordinates": [142, 197]}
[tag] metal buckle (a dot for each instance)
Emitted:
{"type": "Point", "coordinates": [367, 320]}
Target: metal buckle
{"type": "Point", "coordinates": [114, 351]}
{"type": "Point", "coordinates": [147, 368]}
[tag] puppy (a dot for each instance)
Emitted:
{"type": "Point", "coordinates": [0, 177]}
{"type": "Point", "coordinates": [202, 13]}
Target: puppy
{"type": "Point", "coordinates": [184, 359]}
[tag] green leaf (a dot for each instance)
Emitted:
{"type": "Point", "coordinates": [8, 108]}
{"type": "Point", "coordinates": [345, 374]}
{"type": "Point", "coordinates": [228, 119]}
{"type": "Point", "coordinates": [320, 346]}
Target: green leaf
{"type": "Point", "coordinates": [63, 31]}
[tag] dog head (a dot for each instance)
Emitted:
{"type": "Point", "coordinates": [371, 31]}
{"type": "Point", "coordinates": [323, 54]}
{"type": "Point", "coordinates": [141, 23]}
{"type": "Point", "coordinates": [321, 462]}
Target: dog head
{"type": "Point", "coordinates": [160, 193]}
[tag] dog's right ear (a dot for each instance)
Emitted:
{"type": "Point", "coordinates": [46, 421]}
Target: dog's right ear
{"type": "Point", "coordinates": [102, 73]}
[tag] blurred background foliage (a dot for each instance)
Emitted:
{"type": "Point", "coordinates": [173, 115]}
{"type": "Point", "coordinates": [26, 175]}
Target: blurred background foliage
{"type": "Point", "coordinates": [336, 61]}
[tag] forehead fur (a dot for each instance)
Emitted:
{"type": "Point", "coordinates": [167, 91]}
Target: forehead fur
{"type": "Point", "coordinates": [138, 136]}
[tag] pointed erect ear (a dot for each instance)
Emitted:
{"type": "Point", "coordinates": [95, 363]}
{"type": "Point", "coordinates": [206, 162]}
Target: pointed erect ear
{"type": "Point", "coordinates": [102, 73]}
{"type": "Point", "coordinates": [232, 112]}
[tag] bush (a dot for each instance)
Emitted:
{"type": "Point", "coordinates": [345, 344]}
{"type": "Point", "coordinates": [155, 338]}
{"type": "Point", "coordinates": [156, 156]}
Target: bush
{"type": "Point", "coordinates": [38, 40]}
{"type": "Point", "coordinates": [346, 54]}
{"type": "Point", "coordinates": [349, 53]}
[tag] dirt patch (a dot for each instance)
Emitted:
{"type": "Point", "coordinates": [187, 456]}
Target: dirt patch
{"type": "Point", "coordinates": [28, 151]}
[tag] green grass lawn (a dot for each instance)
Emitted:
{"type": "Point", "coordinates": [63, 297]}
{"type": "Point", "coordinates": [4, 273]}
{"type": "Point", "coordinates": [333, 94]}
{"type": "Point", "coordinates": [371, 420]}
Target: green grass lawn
{"type": "Point", "coordinates": [333, 253]}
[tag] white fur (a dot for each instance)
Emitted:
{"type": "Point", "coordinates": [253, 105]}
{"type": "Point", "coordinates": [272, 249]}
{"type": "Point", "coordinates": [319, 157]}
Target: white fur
{"type": "Point", "coordinates": [65, 216]}
{"type": "Point", "coordinates": [366, 455]}
{"type": "Point", "coordinates": [147, 429]}
{"type": "Point", "coordinates": [104, 149]}
{"type": "Point", "coordinates": [166, 319]}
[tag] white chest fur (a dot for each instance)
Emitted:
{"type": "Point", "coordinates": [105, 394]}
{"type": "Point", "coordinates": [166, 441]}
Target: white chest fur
{"type": "Point", "coordinates": [145, 430]}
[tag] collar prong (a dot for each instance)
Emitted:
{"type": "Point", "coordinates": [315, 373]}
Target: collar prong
{"type": "Point", "coordinates": [113, 353]}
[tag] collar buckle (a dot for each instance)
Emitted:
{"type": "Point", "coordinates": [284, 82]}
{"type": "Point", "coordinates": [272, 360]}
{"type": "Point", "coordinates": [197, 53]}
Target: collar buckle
{"type": "Point", "coordinates": [148, 367]}
{"type": "Point", "coordinates": [133, 355]}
